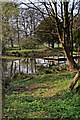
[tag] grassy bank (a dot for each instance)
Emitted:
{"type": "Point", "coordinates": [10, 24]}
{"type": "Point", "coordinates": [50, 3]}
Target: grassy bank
{"type": "Point", "coordinates": [34, 52]}
{"type": "Point", "coordinates": [42, 96]}
{"type": "Point", "coordinates": [11, 57]}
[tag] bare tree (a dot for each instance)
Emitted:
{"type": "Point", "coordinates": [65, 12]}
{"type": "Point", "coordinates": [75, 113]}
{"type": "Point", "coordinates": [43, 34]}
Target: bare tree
{"type": "Point", "coordinates": [62, 12]}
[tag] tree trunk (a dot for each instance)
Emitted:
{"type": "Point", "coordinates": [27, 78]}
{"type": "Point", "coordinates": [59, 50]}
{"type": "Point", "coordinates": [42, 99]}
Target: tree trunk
{"type": "Point", "coordinates": [75, 79]}
{"type": "Point", "coordinates": [73, 68]}
{"type": "Point", "coordinates": [11, 42]}
{"type": "Point", "coordinates": [70, 60]}
{"type": "Point", "coordinates": [66, 39]}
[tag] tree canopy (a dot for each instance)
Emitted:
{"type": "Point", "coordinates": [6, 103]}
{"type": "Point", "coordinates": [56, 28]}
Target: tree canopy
{"type": "Point", "coordinates": [47, 32]}
{"type": "Point", "coordinates": [9, 14]}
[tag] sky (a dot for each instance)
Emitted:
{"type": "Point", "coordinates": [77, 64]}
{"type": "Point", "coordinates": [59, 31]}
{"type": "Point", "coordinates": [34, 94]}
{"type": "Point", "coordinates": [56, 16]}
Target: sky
{"type": "Point", "coordinates": [34, 0]}
{"type": "Point", "coordinates": [45, 0]}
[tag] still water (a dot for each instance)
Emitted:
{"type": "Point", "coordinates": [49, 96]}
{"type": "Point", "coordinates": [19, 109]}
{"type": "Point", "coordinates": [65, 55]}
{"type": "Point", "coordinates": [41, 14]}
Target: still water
{"type": "Point", "coordinates": [27, 65]}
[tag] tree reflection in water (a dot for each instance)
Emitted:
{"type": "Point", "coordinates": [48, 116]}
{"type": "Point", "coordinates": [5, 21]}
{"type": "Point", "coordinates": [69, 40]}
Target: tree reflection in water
{"type": "Point", "coordinates": [26, 65]}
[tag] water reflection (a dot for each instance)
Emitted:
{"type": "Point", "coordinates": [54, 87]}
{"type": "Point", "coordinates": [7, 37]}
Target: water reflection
{"type": "Point", "coordinates": [28, 65]}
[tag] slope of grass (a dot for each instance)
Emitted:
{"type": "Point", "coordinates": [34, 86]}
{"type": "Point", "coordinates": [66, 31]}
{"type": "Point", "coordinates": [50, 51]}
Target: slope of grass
{"type": "Point", "coordinates": [26, 50]}
{"type": "Point", "coordinates": [39, 52]}
{"type": "Point", "coordinates": [11, 57]}
{"type": "Point", "coordinates": [43, 96]}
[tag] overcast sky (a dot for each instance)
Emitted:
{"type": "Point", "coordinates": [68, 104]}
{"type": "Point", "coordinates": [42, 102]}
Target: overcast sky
{"type": "Point", "coordinates": [45, 0]}
{"type": "Point", "coordinates": [35, 0]}
{"type": "Point", "coordinates": [26, 0]}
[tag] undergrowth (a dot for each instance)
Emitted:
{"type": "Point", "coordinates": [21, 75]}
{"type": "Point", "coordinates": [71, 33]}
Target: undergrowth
{"type": "Point", "coordinates": [43, 96]}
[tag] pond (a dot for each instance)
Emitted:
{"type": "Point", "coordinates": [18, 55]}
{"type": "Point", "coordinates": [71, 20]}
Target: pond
{"type": "Point", "coordinates": [28, 65]}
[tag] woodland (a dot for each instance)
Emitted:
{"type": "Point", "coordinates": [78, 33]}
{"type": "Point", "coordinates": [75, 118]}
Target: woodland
{"type": "Point", "coordinates": [41, 59]}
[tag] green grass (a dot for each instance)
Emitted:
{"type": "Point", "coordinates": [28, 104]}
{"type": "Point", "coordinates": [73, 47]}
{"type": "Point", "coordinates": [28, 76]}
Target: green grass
{"type": "Point", "coordinates": [27, 50]}
{"type": "Point", "coordinates": [38, 52]}
{"type": "Point", "coordinates": [11, 57]}
{"type": "Point", "coordinates": [43, 96]}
